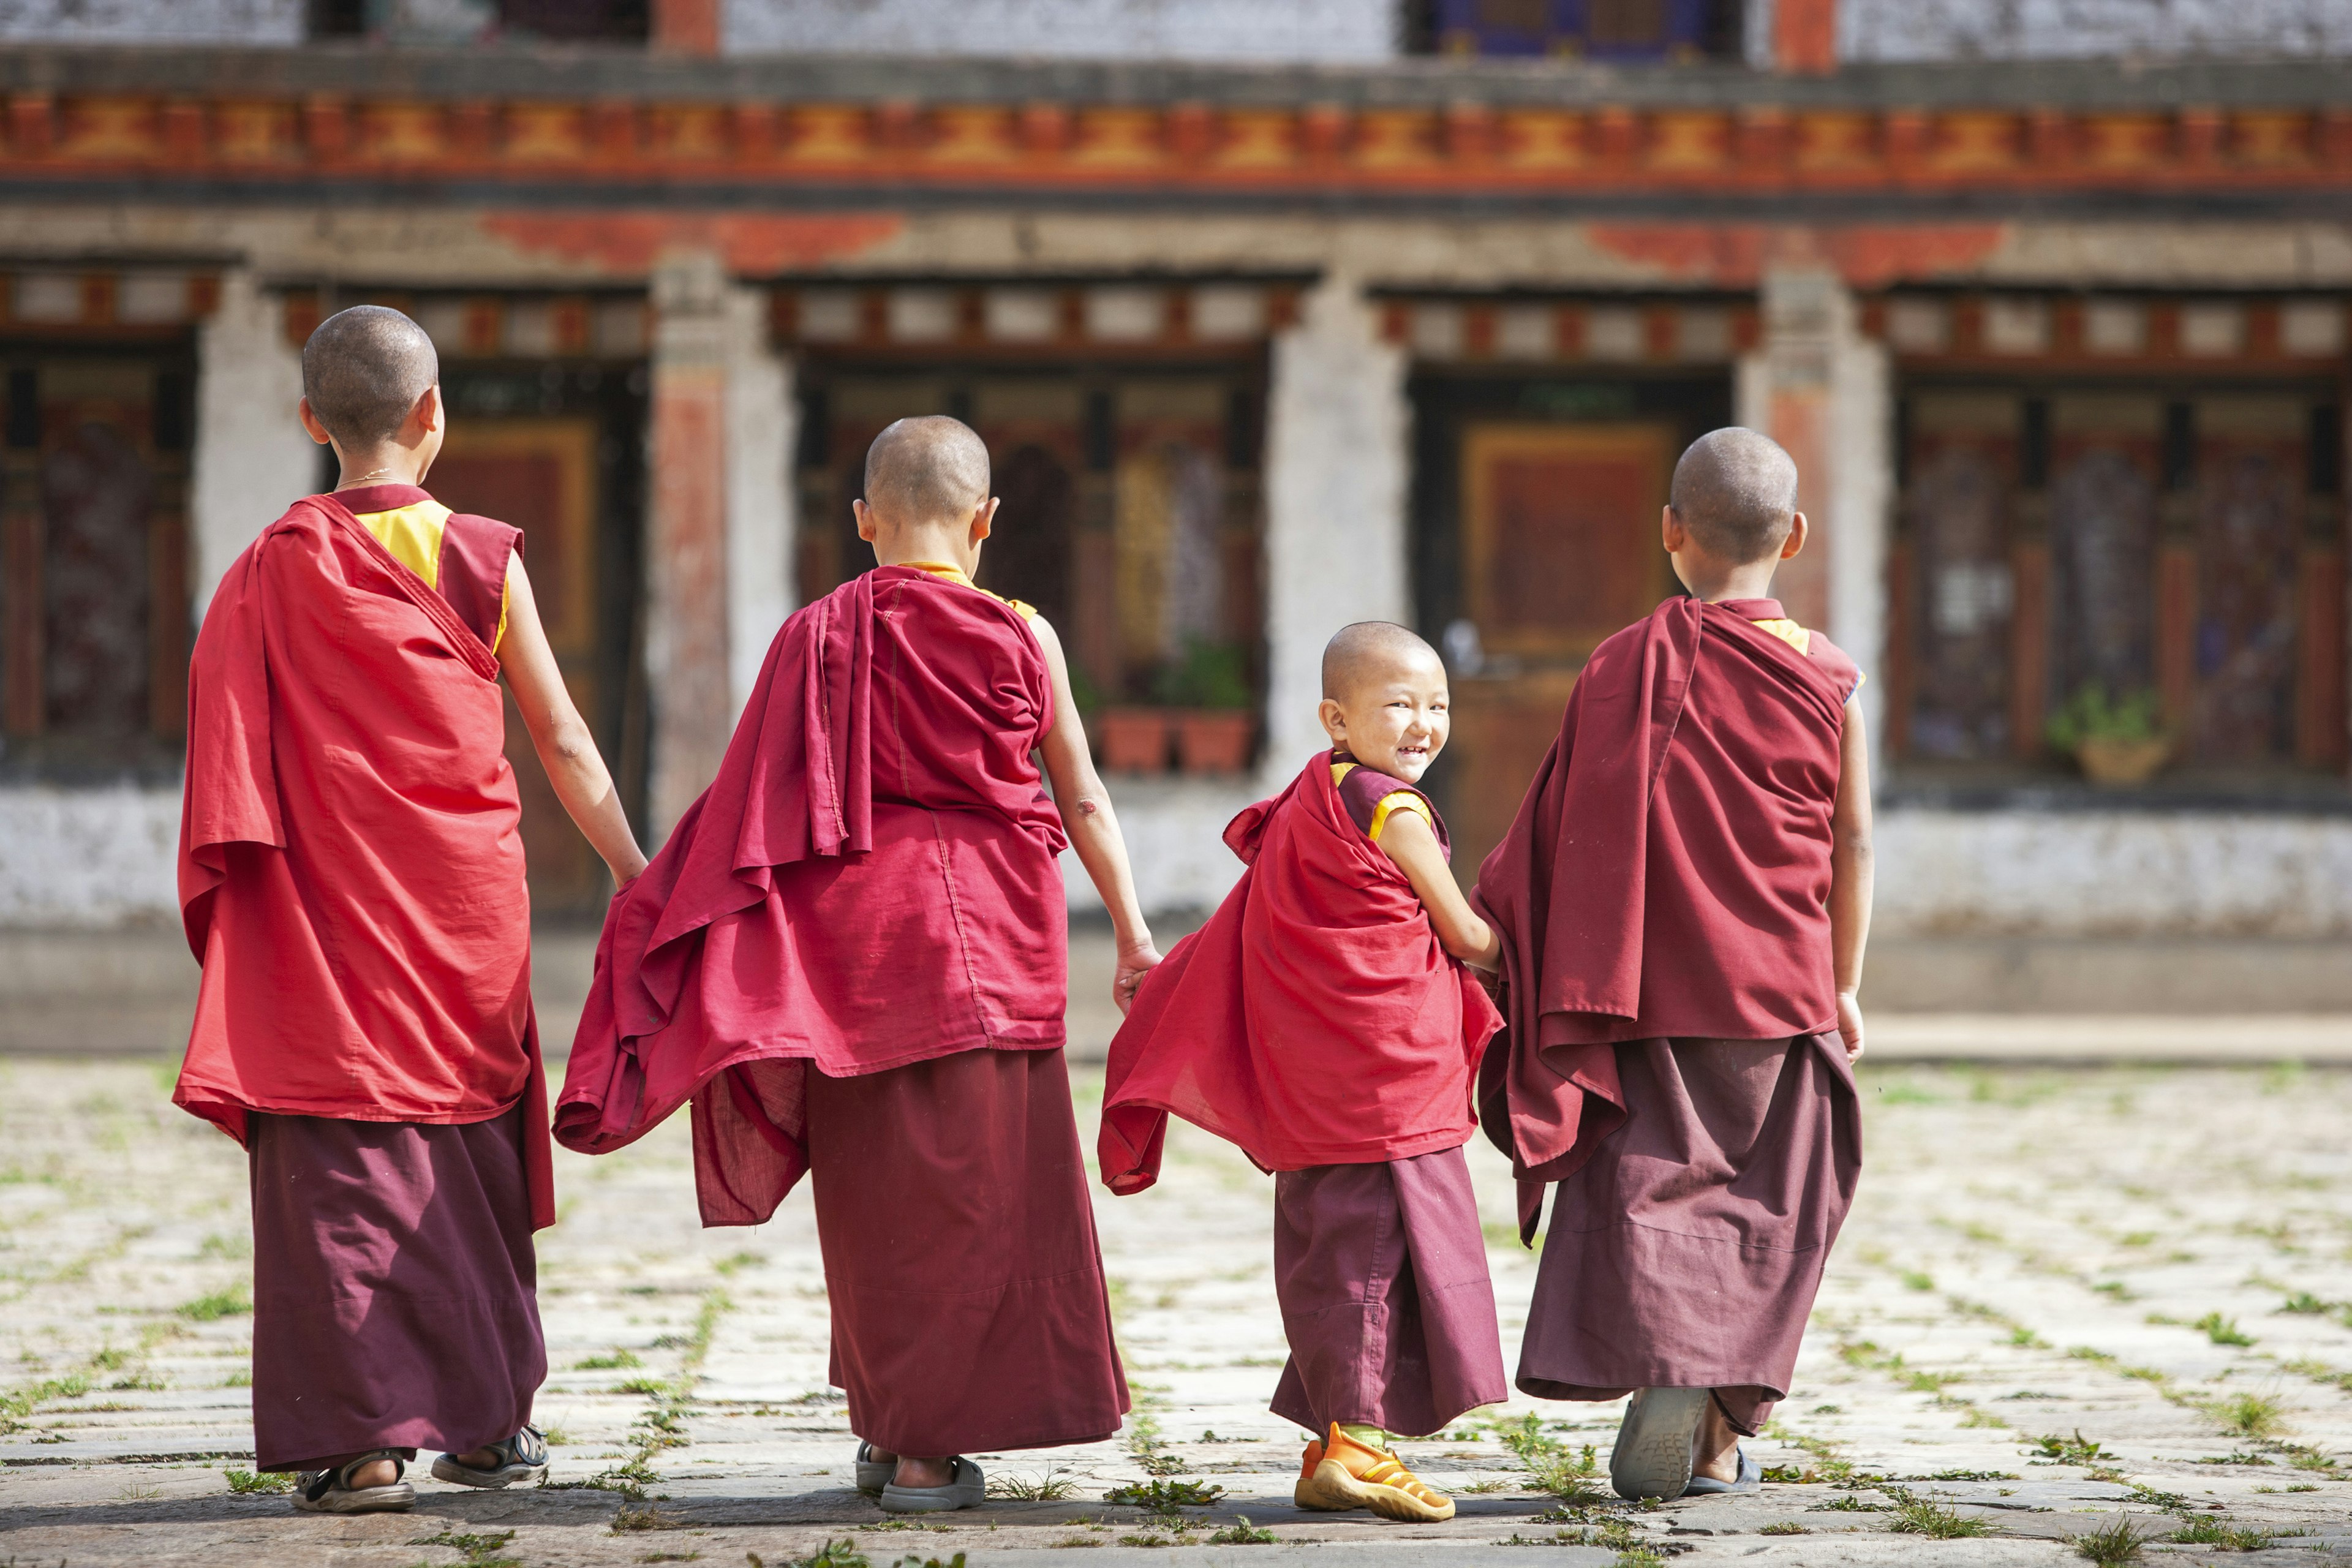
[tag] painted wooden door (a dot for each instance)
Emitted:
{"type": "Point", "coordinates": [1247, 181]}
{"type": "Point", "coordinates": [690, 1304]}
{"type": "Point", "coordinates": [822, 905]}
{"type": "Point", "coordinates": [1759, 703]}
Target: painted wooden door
{"type": "Point", "coordinates": [540, 475]}
{"type": "Point", "coordinates": [1560, 549]}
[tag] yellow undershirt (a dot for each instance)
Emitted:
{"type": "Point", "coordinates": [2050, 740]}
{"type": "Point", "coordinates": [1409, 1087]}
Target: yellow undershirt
{"type": "Point", "coordinates": [413, 534]}
{"type": "Point", "coordinates": [1394, 801]}
{"type": "Point", "coordinates": [954, 574]}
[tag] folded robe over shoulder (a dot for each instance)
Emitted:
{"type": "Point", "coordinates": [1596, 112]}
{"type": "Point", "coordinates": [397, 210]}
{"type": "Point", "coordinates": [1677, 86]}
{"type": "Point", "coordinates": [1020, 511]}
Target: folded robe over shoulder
{"type": "Point", "coordinates": [870, 881]}
{"type": "Point", "coordinates": [1668, 872]}
{"type": "Point", "coordinates": [1315, 1020]}
{"type": "Point", "coordinates": [351, 861]}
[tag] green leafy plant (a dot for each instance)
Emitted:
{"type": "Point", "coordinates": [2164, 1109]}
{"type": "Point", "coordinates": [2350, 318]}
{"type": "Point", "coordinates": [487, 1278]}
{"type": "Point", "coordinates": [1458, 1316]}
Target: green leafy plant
{"type": "Point", "coordinates": [2092, 714]}
{"type": "Point", "coordinates": [2222, 1331]}
{"type": "Point", "coordinates": [2075, 1450]}
{"type": "Point", "coordinates": [2250, 1414]}
{"type": "Point", "coordinates": [245, 1483]}
{"type": "Point", "coordinates": [1242, 1533]}
{"type": "Point", "coordinates": [232, 1302]}
{"type": "Point", "coordinates": [615, 1362]}
{"type": "Point", "coordinates": [478, 1550]}
{"type": "Point", "coordinates": [1166, 1497]}
{"type": "Point", "coordinates": [1051, 1487]}
{"type": "Point", "coordinates": [1209, 675]}
{"type": "Point", "coordinates": [1786, 1527]}
{"type": "Point", "coordinates": [2221, 1532]}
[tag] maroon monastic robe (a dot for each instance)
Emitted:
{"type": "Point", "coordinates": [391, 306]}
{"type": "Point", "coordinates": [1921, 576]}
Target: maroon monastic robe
{"type": "Point", "coordinates": [851, 956]}
{"type": "Point", "coordinates": [1665, 885]}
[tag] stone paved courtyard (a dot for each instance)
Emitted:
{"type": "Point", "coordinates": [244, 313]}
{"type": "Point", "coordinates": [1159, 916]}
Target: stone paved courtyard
{"type": "Point", "coordinates": [2069, 1300]}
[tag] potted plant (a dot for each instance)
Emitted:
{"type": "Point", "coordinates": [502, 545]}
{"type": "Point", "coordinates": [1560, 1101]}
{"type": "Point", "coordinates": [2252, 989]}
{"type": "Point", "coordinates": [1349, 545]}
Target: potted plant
{"type": "Point", "coordinates": [2115, 741]}
{"type": "Point", "coordinates": [1215, 717]}
{"type": "Point", "coordinates": [1129, 740]}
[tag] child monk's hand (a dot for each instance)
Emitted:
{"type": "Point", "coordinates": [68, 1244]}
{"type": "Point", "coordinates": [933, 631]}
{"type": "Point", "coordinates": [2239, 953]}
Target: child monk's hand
{"type": "Point", "coordinates": [1134, 960]}
{"type": "Point", "coordinates": [1850, 1023]}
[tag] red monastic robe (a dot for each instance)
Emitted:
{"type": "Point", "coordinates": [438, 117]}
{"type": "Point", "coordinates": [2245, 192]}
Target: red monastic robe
{"type": "Point", "coordinates": [351, 862]}
{"type": "Point", "coordinates": [1668, 873]}
{"type": "Point", "coordinates": [1315, 1020]}
{"type": "Point", "coordinates": [871, 881]}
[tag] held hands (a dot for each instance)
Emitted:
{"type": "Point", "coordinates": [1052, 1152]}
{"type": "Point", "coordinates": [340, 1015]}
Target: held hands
{"type": "Point", "coordinates": [1134, 959]}
{"type": "Point", "coordinates": [1849, 1018]}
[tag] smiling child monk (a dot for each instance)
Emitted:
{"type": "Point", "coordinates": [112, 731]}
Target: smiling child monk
{"type": "Point", "coordinates": [851, 955]}
{"type": "Point", "coordinates": [1682, 903]}
{"type": "Point", "coordinates": [352, 880]}
{"type": "Point", "coordinates": [1323, 1021]}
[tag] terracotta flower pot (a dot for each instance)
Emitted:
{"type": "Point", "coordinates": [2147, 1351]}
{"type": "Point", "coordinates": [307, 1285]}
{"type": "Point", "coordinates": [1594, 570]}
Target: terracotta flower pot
{"type": "Point", "coordinates": [2120, 763]}
{"type": "Point", "coordinates": [1134, 740]}
{"type": "Point", "coordinates": [1214, 740]}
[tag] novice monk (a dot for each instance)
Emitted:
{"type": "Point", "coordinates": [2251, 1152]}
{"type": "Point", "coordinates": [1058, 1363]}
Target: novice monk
{"type": "Point", "coordinates": [1682, 903]}
{"type": "Point", "coordinates": [851, 955]}
{"type": "Point", "coordinates": [1323, 1020]}
{"type": "Point", "coordinates": [352, 880]}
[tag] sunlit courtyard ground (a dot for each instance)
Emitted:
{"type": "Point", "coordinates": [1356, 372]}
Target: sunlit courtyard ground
{"type": "Point", "coordinates": [2070, 1301]}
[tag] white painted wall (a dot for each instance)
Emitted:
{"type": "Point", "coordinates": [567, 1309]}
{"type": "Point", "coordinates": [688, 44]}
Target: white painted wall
{"type": "Point", "coordinates": [251, 459]}
{"type": "Point", "coordinates": [762, 424]}
{"type": "Point", "coordinates": [1336, 466]}
{"type": "Point", "coordinates": [1175, 840]}
{"type": "Point", "coordinates": [1316, 31]}
{"type": "Point", "coordinates": [152, 21]}
{"type": "Point", "coordinates": [2031, 29]}
{"type": "Point", "coordinates": [1861, 508]}
{"type": "Point", "coordinates": [2117, 874]}
{"type": "Point", "coordinates": [89, 858]}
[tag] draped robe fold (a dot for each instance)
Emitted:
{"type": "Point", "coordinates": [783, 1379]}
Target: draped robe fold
{"type": "Point", "coordinates": [1662, 900]}
{"type": "Point", "coordinates": [851, 956]}
{"type": "Point", "coordinates": [352, 880]}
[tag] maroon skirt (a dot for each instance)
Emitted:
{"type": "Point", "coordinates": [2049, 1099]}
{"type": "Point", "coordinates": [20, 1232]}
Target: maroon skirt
{"type": "Point", "coordinates": [1686, 1252]}
{"type": "Point", "coordinates": [968, 1309]}
{"type": "Point", "coordinates": [394, 1287]}
{"type": "Point", "coordinates": [1382, 1273]}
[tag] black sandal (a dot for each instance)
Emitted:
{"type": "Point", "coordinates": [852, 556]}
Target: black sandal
{"type": "Point", "coordinates": [521, 1458]}
{"type": "Point", "coordinates": [330, 1491]}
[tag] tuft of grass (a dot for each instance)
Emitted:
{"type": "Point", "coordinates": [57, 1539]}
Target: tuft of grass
{"type": "Point", "coordinates": [1480, 1487]}
{"type": "Point", "coordinates": [1923, 1516]}
{"type": "Point", "coordinates": [1242, 1533]}
{"type": "Point", "coordinates": [729, 1266]}
{"type": "Point", "coordinates": [232, 1302]}
{"type": "Point", "coordinates": [476, 1550]}
{"type": "Point", "coordinates": [2221, 1532]}
{"type": "Point", "coordinates": [1914, 1280]}
{"type": "Point", "coordinates": [1050, 1487]}
{"type": "Point", "coordinates": [2222, 1331]}
{"type": "Point", "coordinates": [1786, 1527]}
{"type": "Point", "coordinates": [2239, 1457]}
{"type": "Point", "coordinates": [1850, 1503]}
{"type": "Point", "coordinates": [2112, 1545]}
{"type": "Point", "coordinates": [2305, 1301]}
{"type": "Point", "coordinates": [632, 1517]}
{"type": "Point", "coordinates": [618, 1361]}
{"type": "Point", "coordinates": [842, 1553]}
{"type": "Point", "coordinates": [1551, 1463]}
{"type": "Point", "coordinates": [245, 1483]}
{"type": "Point", "coordinates": [2254, 1415]}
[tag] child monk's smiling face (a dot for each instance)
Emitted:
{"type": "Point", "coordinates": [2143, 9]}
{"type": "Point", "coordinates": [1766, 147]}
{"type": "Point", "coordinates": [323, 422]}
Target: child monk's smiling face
{"type": "Point", "coordinates": [1391, 712]}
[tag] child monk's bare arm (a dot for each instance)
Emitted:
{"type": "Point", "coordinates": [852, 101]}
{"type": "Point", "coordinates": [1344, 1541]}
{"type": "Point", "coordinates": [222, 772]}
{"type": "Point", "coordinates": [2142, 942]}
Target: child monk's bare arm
{"type": "Point", "coordinates": [1408, 840]}
{"type": "Point", "coordinates": [566, 750]}
{"type": "Point", "coordinates": [1091, 824]}
{"type": "Point", "coordinates": [1850, 877]}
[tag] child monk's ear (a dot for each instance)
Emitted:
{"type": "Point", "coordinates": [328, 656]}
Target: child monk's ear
{"type": "Point", "coordinates": [867, 525]}
{"type": "Point", "coordinates": [1671, 532]}
{"type": "Point", "coordinates": [984, 519]}
{"type": "Point", "coordinates": [311, 426]}
{"type": "Point", "coordinates": [426, 415]}
{"type": "Point", "coordinates": [1334, 720]}
{"type": "Point", "coordinates": [1796, 534]}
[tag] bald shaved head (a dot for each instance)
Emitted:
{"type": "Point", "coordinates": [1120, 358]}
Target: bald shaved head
{"type": "Point", "coordinates": [1369, 648]}
{"type": "Point", "coordinates": [1736, 491]}
{"type": "Point", "coordinates": [363, 369]}
{"type": "Point", "coordinates": [928, 469]}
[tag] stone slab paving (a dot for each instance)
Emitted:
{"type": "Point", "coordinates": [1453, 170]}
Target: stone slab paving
{"type": "Point", "coordinates": [2068, 1299]}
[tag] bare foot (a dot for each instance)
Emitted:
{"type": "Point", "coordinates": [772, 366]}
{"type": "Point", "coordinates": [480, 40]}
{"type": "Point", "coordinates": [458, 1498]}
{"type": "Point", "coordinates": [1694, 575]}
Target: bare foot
{"type": "Point", "coordinates": [913, 1472]}
{"type": "Point", "coordinates": [479, 1459]}
{"type": "Point", "coordinates": [379, 1473]}
{"type": "Point", "coordinates": [1714, 1446]}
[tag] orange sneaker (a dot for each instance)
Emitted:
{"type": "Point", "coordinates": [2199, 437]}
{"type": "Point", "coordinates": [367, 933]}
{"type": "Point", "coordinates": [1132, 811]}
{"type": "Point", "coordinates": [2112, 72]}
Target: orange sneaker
{"type": "Point", "coordinates": [1339, 1473]}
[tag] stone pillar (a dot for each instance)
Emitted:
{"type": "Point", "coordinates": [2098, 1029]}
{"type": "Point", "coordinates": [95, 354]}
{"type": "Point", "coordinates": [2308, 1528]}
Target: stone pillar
{"type": "Point", "coordinates": [762, 427]}
{"type": "Point", "coordinates": [1822, 390]}
{"type": "Point", "coordinates": [251, 457]}
{"type": "Point", "coordinates": [1336, 465]}
{"type": "Point", "coordinates": [687, 651]}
